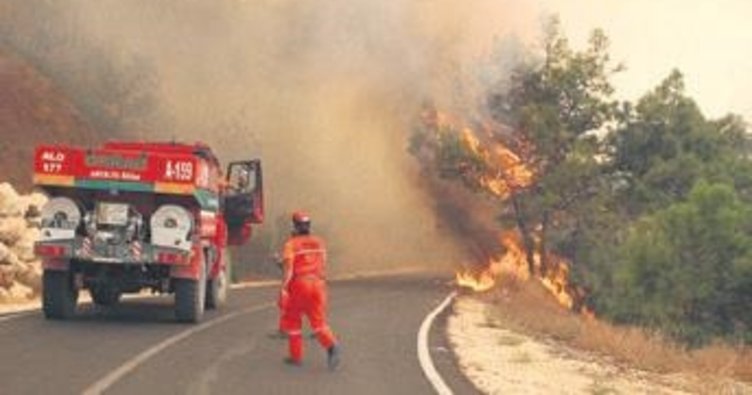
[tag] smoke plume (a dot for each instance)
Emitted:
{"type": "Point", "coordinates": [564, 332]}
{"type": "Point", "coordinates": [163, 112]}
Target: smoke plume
{"type": "Point", "coordinates": [324, 92]}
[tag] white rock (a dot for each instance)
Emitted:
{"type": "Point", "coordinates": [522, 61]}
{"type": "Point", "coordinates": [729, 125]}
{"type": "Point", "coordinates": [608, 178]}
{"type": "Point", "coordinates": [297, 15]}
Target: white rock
{"type": "Point", "coordinates": [10, 202]}
{"type": "Point", "coordinates": [11, 230]}
{"type": "Point", "coordinates": [11, 260]}
{"type": "Point", "coordinates": [34, 199]}
{"type": "Point", "coordinates": [20, 271]}
{"type": "Point", "coordinates": [7, 275]}
{"type": "Point", "coordinates": [24, 247]}
{"type": "Point", "coordinates": [4, 252]}
{"type": "Point", "coordinates": [20, 292]}
{"type": "Point", "coordinates": [31, 277]}
{"type": "Point", "coordinates": [4, 295]}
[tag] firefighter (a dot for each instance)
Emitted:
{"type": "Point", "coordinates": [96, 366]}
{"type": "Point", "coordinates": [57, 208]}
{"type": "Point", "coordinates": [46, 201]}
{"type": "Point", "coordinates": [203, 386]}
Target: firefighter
{"type": "Point", "coordinates": [304, 291]}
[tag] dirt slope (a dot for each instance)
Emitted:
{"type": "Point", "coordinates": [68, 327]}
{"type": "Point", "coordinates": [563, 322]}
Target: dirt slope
{"type": "Point", "coordinates": [32, 110]}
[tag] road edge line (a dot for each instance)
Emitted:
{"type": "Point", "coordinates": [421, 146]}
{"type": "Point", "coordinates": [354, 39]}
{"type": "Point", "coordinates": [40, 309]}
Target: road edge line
{"type": "Point", "coordinates": [131, 364]}
{"type": "Point", "coordinates": [424, 355]}
{"type": "Point", "coordinates": [12, 316]}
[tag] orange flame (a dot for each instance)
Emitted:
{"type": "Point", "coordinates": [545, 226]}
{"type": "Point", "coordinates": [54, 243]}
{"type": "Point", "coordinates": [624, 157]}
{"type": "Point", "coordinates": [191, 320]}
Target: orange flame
{"type": "Point", "coordinates": [510, 264]}
{"type": "Point", "coordinates": [504, 172]}
{"type": "Point", "coordinates": [514, 263]}
{"type": "Point", "coordinates": [480, 283]}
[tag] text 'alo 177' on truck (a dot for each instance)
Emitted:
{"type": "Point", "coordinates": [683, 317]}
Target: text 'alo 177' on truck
{"type": "Point", "coordinates": [130, 216]}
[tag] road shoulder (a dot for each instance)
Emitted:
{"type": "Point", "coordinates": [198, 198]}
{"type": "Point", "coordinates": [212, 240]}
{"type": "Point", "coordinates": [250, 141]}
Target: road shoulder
{"type": "Point", "coordinates": [499, 360]}
{"type": "Point", "coordinates": [444, 357]}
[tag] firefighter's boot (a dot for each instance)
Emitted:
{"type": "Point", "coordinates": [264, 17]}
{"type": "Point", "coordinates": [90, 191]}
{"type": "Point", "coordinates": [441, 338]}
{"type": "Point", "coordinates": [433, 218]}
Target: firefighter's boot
{"type": "Point", "coordinates": [333, 357]}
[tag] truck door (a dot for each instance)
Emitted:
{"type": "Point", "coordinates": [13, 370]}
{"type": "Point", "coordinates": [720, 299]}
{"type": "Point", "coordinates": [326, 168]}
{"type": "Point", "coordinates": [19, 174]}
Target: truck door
{"type": "Point", "coordinates": [244, 199]}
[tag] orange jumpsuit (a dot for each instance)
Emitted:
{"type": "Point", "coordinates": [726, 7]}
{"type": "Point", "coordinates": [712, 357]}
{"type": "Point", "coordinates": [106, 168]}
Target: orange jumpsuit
{"type": "Point", "coordinates": [305, 261]}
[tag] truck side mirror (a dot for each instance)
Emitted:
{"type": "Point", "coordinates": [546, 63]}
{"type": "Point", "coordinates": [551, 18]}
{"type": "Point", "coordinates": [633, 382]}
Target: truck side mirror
{"type": "Point", "coordinates": [244, 199]}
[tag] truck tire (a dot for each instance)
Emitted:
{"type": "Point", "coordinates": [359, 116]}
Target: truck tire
{"type": "Point", "coordinates": [105, 296]}
{"type": "Point", "coordinates": [59, 297]}
{"type": "Point", "coordinates": [190, 296]}
{"type": "Point", "coordinates": [217, 288]}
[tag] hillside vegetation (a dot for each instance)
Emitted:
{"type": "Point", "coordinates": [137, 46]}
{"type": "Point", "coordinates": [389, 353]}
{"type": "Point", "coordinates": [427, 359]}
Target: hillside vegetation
{"type": "Point", "coordinates": [649, 202]}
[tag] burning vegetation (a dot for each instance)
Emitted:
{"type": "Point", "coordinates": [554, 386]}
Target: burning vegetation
{"type": "Point", "coordinates": [645, 203]}
{"type": "Point", "coordinates": [485, 163]}
{"type": "Point", "coordinates": [637, 211]}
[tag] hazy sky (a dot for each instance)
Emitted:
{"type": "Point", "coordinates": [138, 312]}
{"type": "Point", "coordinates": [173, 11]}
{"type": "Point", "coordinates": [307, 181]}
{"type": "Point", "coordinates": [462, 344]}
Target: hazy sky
{"type": "Point", "coordinates": [710, 41]}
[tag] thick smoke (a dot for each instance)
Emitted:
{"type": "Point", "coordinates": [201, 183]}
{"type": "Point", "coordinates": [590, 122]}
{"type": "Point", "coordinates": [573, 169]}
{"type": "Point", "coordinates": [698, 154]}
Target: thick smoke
{"type": "Point", "coordinates": [324, 92]}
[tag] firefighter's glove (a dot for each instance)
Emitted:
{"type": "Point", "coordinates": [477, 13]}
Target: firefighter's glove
{"type": "Point", "coordinates": [284, 299]}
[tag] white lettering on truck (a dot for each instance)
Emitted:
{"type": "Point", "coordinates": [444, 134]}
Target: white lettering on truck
{"type": "Point", "coordinates": [179, 170]}
{"type": "Point", "coordinates": [52, 161]}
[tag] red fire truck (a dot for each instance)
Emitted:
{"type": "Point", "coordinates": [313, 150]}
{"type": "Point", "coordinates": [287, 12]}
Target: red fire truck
{"type": "Point", "coordinates": [129, 216]}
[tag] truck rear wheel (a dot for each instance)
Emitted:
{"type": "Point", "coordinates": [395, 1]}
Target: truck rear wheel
{"type": "Point", "coordinates": [190, 296]}
{"type": "Point", "coordinates": [59, 296]}
{"type": "Point", "coordinates": [217, 288]}
{"type": "Point", "coordinates": [105, 296]}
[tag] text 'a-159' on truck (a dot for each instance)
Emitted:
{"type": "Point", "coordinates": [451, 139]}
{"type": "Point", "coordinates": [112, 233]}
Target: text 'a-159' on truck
{"type": "Point", "coordinates": [130, 216]}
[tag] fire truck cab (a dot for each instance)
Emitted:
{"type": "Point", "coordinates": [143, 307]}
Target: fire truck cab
{"type": "Point", "coordinates": [132, 216]}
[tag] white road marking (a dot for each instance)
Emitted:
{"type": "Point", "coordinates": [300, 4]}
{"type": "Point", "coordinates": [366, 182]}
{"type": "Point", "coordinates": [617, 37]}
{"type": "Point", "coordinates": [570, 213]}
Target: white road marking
{"type": "Point", "coordinates": [8, 309]}
{"type": "Point", "coordinates": [424, 355]}
{"type": "Point", "coordinates": [254, 284]}
{"type": "Point", "coordinates": [12, 316]}
{"type": "Point", "coordinates": [130, 365]}
{"type": "Point", "coordinates": [379, 273]}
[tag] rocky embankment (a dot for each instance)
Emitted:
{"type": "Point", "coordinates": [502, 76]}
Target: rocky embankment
{"type": "Point", "coordinates": [20, 271]}
{"type": "Point", "coordinates": [33, 110]}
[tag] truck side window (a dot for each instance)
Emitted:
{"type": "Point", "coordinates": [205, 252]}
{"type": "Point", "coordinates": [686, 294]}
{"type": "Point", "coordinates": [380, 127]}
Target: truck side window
{"type": "Point", "coordinates": [242, 179]}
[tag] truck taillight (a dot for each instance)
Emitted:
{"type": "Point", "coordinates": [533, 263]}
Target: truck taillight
{"type": "Point", "coordinates": [50, 250]}
{"type": "Point", "coordinates": [171, 257]}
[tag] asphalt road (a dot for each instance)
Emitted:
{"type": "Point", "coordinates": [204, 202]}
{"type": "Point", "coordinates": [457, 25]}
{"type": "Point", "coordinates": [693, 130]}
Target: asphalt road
{"type": "Point", "coordinates": [137, 348]}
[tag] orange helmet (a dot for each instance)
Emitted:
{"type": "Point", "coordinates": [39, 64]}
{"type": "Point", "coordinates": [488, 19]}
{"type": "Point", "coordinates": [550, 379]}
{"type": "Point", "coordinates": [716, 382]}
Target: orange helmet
{"type": "Point", "coordinates": [300, 217]}
{"type": "Point", "coordinates": [301, 222]}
